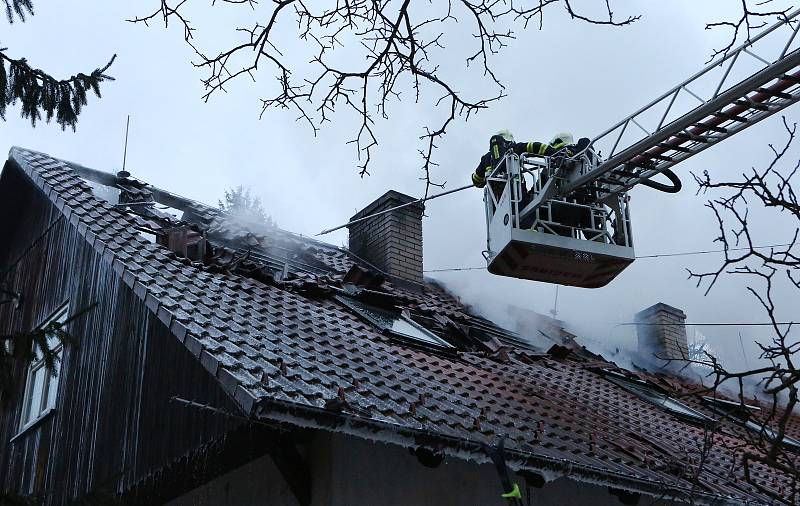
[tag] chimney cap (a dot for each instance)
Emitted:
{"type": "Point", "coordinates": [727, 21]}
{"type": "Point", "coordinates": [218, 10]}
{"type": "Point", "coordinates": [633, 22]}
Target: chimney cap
{"type": "Point", "coordinates": [395, 198]}
{"type": "Point", "coordinates": [655, 308]}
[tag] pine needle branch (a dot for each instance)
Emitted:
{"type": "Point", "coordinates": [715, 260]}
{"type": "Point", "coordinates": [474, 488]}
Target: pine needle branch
{"type": "Point", "coordinates": [38, 92]}
{"type": "Point", "coordinates": [42, 95]}
{"type": "Point", "coordinates": [28, 344]}
{"type": "Point", "coordinates": [18, 8]}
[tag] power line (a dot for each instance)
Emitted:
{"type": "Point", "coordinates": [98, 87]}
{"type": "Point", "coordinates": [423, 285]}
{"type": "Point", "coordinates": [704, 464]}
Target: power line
{"type": "Point", "coordinates": [392, 209]}
{"type": "Point", "coordinates": [704, 324]}
{"type": "Point", "coordinates": [658, 255]}
{"type": "Point", "coordinates": [685, 253]}
{"type": "Point", "coordinates": [456, 269]}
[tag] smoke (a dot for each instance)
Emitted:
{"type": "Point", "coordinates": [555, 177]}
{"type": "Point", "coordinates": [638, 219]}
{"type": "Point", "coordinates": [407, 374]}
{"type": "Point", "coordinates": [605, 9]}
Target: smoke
{"type": "Point", "coordinates": [539, 330]}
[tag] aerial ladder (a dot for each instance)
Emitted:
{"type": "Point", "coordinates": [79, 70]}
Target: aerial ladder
{"type": "Point", "coordinates": [566, 218]}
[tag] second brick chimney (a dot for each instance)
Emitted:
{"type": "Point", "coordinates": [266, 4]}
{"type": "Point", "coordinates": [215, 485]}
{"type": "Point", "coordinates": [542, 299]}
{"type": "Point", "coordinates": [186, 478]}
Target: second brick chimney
{"type": "Point", "coordinates": [661, 332]}
{"type": "Point", "coordinates": [391, 242]}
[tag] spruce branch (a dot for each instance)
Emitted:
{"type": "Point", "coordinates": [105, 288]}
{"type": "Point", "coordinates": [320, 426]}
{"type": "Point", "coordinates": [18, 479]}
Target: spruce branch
{"type": "Point", "coordinates": [41, 94]}
{"type": "Point", "coordinates": [18, 8]}
{"type": "Point", "coordinates": [38, 92]}
{"type": "Point", "coordinates": [24, 345]}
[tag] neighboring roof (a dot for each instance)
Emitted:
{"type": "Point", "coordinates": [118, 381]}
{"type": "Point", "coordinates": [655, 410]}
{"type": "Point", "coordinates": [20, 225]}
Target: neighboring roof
{"type": "Point", "coordinates": [262, 317]}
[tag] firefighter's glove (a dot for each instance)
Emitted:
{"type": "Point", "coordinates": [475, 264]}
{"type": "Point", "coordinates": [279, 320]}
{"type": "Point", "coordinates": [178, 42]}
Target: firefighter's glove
{"type": "Point", "coordinates": [478, 181]}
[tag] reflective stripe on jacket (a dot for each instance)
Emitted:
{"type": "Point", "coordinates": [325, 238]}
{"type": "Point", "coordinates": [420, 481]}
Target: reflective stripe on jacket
{"type": "Point", "coordinates": [537, 148]}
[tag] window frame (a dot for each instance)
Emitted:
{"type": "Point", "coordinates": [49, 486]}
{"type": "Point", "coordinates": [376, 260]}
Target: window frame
{"type": "Point", "coordinates": [47, 401]}
{"type": "Point", "coordinates": [732, 411]}
{"type": "Point", "coordinates": [656, 397]}
{"type": "Point", "coordinates": [375, 314]}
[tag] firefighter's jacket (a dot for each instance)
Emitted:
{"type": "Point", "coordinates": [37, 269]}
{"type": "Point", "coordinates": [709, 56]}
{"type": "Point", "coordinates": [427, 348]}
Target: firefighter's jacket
{"type": "Point", "coordinates": [498, 149]}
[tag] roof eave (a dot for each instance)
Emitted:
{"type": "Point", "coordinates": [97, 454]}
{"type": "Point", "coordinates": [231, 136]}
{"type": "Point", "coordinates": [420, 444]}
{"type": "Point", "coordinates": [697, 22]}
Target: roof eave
{"type": "Point", "coordinates": [375, 430]}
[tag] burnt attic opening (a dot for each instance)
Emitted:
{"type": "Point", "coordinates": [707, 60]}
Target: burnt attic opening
{"type": "Point", "coordinates": [206, 236]}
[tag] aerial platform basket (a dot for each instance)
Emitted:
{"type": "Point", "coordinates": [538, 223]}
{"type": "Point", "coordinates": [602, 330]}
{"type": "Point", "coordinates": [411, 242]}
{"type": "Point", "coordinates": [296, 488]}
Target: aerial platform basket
{"type": "Point", "coordinates": [577, 240]}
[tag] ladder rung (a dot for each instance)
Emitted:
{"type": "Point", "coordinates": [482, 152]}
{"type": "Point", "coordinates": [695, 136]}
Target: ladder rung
{"type": "Point", "coordinates": [641, 166]}
{"type": "Point", "coordinates": [752, 105]}
{"type": "Point", "coordinates": [731, 117]}
{"type": "Point", "coordinates": [712, 128]}
{"type": "Point", "coordinates": [693, 137]}
{"type": "Point", "coordinates": [792, 79]}
{"type": "Point", "coordinates": [779, 94]}
{"type": "Point", "coordinates": [658, 157]}
{"type": "Point", "coordinates": [675, 148]}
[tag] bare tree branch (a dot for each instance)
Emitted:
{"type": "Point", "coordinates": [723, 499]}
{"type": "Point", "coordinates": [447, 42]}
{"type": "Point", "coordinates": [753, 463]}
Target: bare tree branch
{"type": "Point", "coordinates": [768, 189]}
{"type": "Point", "coordinates": [403, 47]}
{"type": "Point", "coordinates": [752, 18]}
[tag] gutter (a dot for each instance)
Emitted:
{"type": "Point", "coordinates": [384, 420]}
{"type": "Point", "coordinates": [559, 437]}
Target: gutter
{"type": "Point", "coordinates": [471, 450]}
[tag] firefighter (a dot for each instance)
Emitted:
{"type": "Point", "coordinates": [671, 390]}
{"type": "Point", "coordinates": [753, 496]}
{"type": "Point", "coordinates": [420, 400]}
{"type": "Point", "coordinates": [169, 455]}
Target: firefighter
{"type": "Point", "coordinates": [502, 141]}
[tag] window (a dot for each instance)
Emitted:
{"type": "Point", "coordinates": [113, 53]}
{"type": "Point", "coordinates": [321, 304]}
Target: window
{"type": "Point", "coordinates": [725, 407]}
{"type": "Point", "coordinates": [645, 391]}
{"type": "Point", "coordinates": [394, 322]}
{"type": "Point", "coordinates": [41, 384]}
{"type": "Point", "coordinates": [735, 411]}
{"type": "Point", "coordinates": [789, 443]}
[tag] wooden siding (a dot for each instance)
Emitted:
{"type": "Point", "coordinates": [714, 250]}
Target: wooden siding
{"type": "Point", "coordinates": [113, 424]}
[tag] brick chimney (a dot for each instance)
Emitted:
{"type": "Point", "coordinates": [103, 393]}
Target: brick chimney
{"type": "Point", "coordinates": [662, 335]}
{"type": "Point", "coordinates": [391, 242]}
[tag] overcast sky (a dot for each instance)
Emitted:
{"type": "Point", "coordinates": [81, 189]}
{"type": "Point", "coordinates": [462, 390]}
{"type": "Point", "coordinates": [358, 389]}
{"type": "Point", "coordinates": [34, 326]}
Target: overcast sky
{"type": "Point", "coordinates": [568, 76]}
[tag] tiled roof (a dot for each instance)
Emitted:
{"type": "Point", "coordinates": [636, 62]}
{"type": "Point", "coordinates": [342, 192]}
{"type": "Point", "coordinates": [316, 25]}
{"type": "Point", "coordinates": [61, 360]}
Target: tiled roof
{"type": "Point", "coordinates": [286, 350]}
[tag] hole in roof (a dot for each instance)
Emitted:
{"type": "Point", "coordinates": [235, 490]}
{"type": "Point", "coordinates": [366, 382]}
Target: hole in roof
{"type": "Point", "coordinates": [148, 236]}
{"type": "Point", "coordinates": [393, 322]}
{"type": "Point", "coordinates": [175, 213]}
{"type": "Point", "coordinates": [103, 192]}
{"type": "Point", "coordinates": [647, 392]}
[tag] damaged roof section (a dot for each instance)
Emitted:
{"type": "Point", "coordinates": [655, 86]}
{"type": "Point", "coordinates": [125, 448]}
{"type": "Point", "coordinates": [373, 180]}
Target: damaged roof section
{"type": "Point", "coordinates": [221, 243]}
{"type": "Point", "coordinates": [284, 323]}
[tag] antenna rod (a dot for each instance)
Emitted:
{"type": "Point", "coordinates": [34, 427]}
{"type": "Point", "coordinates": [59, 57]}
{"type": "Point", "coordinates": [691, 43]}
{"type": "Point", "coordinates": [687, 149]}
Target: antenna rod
{"type": "Point", "coordinates": [554, 311]}
{"type": "Point", "coordinates": [418, 201]}
{"type": "Point", "coordinates": [125, 153]}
